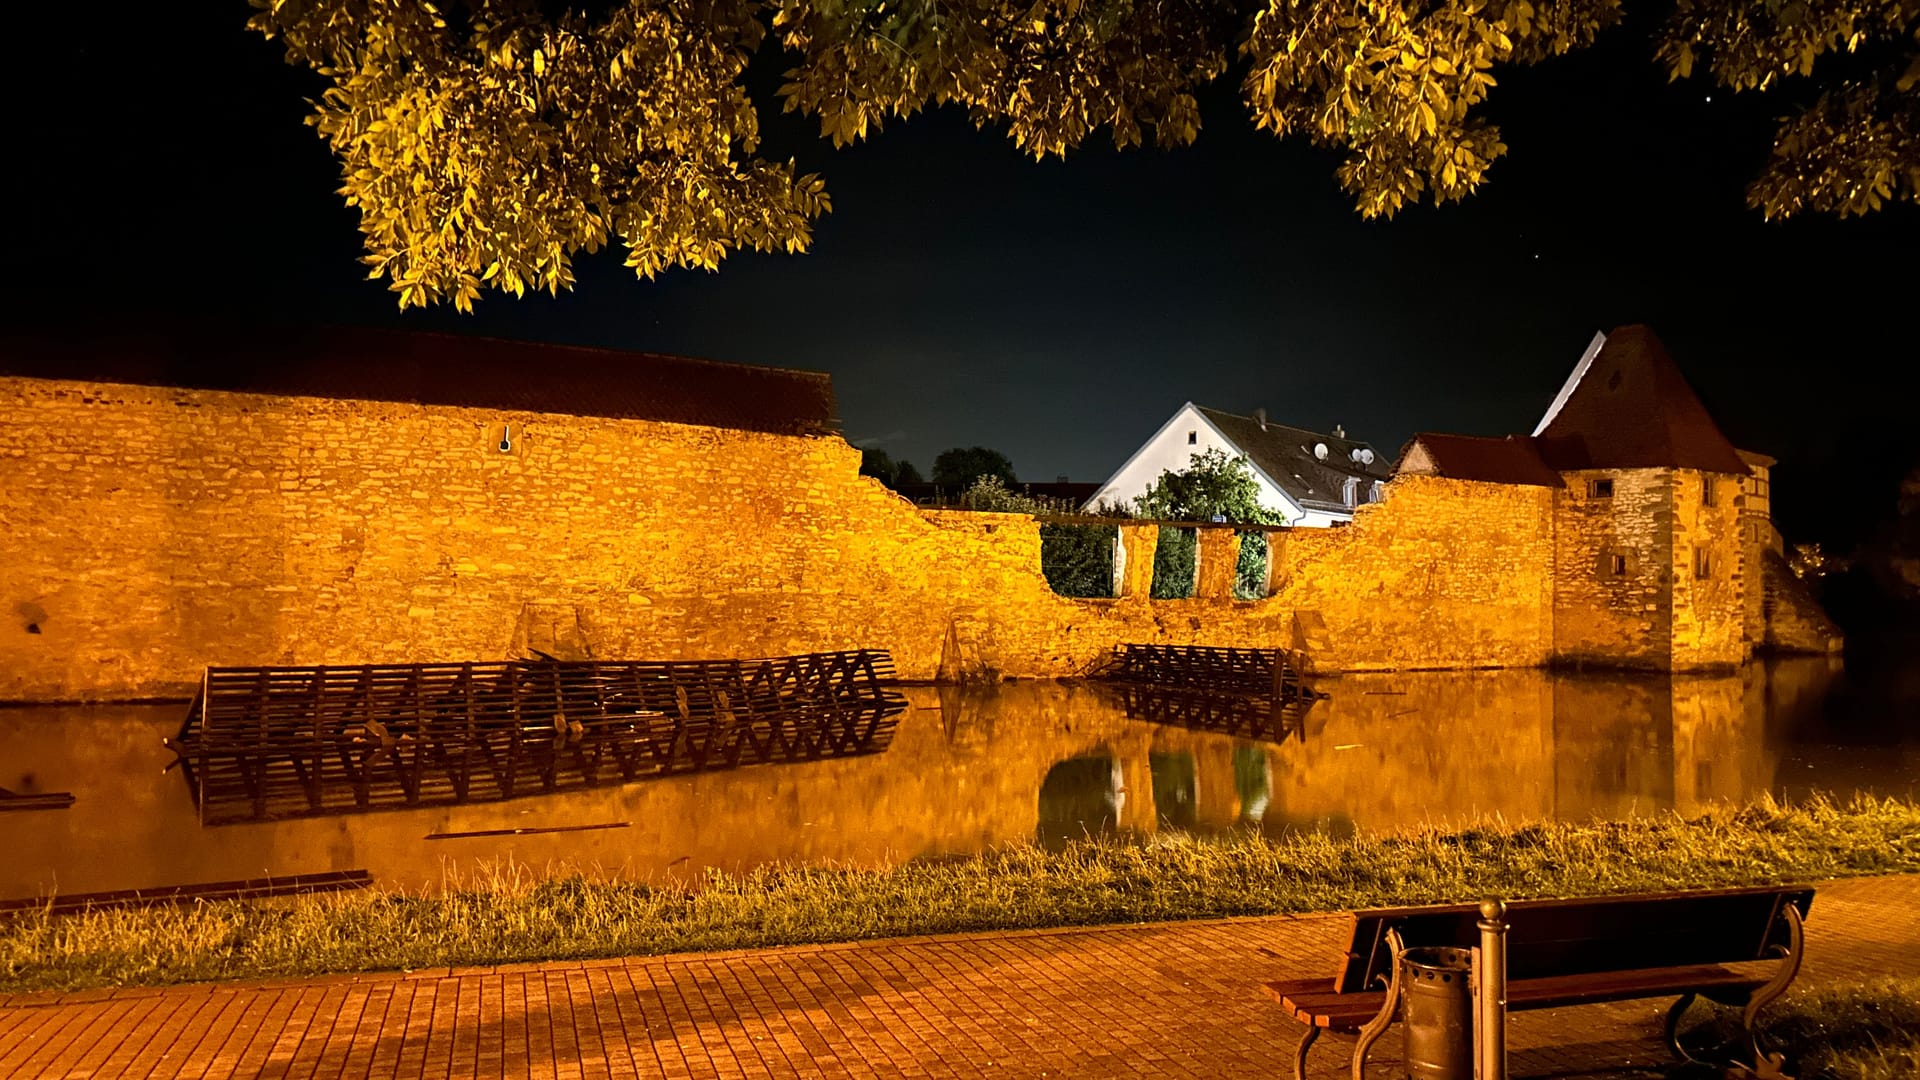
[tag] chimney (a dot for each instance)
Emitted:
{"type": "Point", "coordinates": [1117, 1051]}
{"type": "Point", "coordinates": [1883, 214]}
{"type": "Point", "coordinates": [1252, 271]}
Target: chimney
{"type": "Point", "coordinates": [1339, 432]}
{"type": "Point", "coordinates": [1260, 417]}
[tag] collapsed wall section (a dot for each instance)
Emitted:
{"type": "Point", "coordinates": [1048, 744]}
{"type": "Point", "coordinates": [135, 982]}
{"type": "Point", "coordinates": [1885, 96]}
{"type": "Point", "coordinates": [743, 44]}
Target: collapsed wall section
{"type": "Point", "coordinates": [1441, 574]}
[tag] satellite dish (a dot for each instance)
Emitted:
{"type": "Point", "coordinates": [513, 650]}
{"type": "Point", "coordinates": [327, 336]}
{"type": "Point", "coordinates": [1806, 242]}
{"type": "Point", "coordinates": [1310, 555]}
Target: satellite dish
{"type": "Point", "coordinates": [1366, 456]}
{"type": "Point", "coordinates": [1320, 451]}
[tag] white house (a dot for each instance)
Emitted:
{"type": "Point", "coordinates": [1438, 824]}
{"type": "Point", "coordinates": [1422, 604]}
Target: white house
{"type": "Point", "coordinates": [1305, 478]}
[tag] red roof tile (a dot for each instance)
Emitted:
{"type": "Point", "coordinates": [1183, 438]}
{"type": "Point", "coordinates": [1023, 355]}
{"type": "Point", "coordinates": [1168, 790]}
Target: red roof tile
{"type": "Point", "coordinates": [1512, 460]}
{"type": "Point", "coordinates": [1633, 409]}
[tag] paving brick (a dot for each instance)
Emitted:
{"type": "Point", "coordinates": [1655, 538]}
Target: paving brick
{"type": "Point", "coordinates": [1174, 999]}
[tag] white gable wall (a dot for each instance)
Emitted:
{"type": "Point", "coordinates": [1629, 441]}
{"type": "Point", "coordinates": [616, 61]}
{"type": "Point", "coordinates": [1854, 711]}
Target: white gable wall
{"type": "Point", "coordinates": [1171, 450]}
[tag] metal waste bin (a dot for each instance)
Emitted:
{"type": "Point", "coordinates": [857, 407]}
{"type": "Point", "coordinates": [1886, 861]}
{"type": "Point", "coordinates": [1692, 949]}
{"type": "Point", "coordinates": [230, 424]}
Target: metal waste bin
{"type": "Point", "coordinates": [1437, 1012]}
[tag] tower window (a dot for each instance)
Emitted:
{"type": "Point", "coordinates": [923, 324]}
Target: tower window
{"type": "Point", "coordinates": [1706, 491]}
{"type": "Point", "coordinates": [1617, 565]}
{"type": "Point", "coordinates": [1702, 562]}
{"type": "Point", "coordinates": [1601, 488]}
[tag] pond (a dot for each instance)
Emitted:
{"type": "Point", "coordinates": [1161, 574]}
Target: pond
{"type": "Point", "coordinates": [971, 768]}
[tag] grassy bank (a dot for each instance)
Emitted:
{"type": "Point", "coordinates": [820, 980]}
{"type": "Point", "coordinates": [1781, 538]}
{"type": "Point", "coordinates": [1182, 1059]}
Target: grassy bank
{"type": "Point", "coordinates": [1864, 1032]}
{"type": "Point", "coordinates": [510, 915]}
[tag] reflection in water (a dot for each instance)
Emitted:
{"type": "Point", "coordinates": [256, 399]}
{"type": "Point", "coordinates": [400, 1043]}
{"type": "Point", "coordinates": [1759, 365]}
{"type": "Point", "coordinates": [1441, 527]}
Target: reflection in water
{"type": "Point", "coordinates": [1175, 783]}
{"type": "Point", "coordinates": [977, 767]}
{"type": "Point", "coordinates": [1251, 782]}
{"type": "Point", "coordinates": [1080, 797]}
{"type": "Point", "coordinates": [263, 743]}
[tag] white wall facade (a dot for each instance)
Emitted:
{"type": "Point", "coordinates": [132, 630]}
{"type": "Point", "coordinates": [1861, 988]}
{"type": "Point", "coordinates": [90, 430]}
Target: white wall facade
{"type": "Point", "coordinates": [1171, 449]}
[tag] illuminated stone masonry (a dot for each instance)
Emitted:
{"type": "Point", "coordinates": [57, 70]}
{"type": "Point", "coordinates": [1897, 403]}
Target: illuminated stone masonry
{"type": "Point", "coordinates": [147, 532]}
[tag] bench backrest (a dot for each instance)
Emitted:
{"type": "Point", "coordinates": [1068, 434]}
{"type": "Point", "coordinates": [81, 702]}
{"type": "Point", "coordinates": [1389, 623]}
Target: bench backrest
{"type": "Point", "coordinates": [1585, 936]}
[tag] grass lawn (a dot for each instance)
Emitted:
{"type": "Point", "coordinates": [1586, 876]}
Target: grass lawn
{"type": "Point", "coordinates": [509, 914]}
{"type": "Point", "coordinates": [1864, 1032]}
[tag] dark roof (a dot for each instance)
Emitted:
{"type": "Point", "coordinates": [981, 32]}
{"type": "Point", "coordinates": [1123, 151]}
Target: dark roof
{"type": "Point", "coordinates": [1285, 455]}
{"type": "Point", "coordinates": [440, 369]}
{"type": "Point", "coordinates": [1631, 408]}
{"type": "Point", "coordinates": [1512, 460]}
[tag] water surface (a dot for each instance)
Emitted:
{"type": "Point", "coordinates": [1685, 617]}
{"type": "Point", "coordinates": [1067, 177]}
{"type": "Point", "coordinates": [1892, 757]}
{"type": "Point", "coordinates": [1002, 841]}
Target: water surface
{"type": "Point", "coordinates": [971, 768]}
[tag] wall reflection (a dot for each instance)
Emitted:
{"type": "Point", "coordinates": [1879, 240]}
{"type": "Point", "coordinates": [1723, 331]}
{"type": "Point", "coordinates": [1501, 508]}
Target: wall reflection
{"type": "Point", "coordinates": [970, 768]}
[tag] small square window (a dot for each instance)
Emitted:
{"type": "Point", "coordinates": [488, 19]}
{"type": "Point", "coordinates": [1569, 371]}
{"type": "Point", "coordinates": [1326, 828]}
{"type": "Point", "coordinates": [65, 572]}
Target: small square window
{"type": "Point", "coordinates": [1614, 563]}
{"type": "Point", "coordinates": [1702, 563]}
{"type": "Point", "coordinates": [1193, 437]}
{"type": "Point", "coordinates": [1600, 489]}
{"type": "Point", "coordinates": [1706, 491]}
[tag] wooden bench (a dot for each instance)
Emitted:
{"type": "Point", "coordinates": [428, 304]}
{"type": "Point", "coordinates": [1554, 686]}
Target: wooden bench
{"type": "Point", "coordinates": [1570, 952]}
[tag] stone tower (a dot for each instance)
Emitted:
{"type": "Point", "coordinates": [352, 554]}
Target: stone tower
{"type": "Point", "coordinates": [1650, 569]}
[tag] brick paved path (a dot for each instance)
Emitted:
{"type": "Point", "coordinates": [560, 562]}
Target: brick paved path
{"type": "Point", "coordinates": [1175, 999]}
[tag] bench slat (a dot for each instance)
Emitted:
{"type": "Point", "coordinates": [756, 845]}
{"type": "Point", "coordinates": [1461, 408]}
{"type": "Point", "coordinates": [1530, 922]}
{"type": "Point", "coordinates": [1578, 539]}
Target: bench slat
{"type": "Point", "coordinates": [1311, 1002]}
{"type": "Point", "coordinates": [1553, 937]}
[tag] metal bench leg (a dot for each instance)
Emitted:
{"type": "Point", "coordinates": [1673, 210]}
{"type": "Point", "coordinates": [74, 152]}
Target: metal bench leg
{"type": "Point", "coordinates": [1300, 1052]}
{"type": "Point", "coordinates": [1789, 967]}
{"type": "Point", "coordinates": [1377, 1026]}
{"type": "Point", "coordinates": [1673, 1029]}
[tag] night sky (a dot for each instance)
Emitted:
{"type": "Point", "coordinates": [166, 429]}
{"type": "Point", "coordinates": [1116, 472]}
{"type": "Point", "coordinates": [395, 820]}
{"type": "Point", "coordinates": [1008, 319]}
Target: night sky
{"type": "Point", "coordinates": [961, 294]}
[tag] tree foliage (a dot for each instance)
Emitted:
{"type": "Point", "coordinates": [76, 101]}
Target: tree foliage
{"type": "Point", "coordinates": [1394, 83]}
{"type": "Point", "coordinates": [880, 465]}
{"type": "Point", "coordinates": [1052, 71]}
{"type": "Point", "coordinates": [961, 466]}
{"type": "Point", "coordinates": [1213, 487]}
{"type": "Point", "coordinates": [485, 142]}
{"type": "Point", "coordinates": [1858, 146]}
{"type": "Point", "coordinates": [486, 147]}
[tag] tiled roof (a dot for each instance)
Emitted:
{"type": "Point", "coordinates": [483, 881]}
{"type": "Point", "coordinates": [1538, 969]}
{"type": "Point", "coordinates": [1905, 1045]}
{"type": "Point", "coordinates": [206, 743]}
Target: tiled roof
{"type": "Point", "coordinates": [442, 369]}
{"type": "Point", "coordinates": [1631, 408]}
{"type": "Point", "coordinates": [1285, 455]}
{"type": "Point", "coordinates": [1512, 460]}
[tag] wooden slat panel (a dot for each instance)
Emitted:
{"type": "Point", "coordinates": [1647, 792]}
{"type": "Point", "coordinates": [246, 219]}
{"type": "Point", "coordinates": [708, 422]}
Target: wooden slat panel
{"type": "Point", "coordinates": [1557, 937]}
{"type": "Point", "coordinates": [377, 735]}
{"type": "Point", "coordinates": [252, 889]}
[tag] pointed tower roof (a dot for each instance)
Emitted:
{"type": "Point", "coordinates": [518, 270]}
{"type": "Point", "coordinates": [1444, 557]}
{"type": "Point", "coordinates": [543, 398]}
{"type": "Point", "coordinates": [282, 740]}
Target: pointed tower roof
{"type": "Point", "coordinates": [1627, 406]}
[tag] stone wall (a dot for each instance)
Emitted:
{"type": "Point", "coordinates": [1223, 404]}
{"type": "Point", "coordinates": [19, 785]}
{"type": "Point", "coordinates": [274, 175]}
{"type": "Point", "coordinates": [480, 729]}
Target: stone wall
{"type": "Point", "coordinates": [1603, 617]}
{"type": "Point", "coordinates": [1794, 621]}
{"type": "Point", "coordinates": [1442, 574]}
{"type": "Point", "coordinates": [1709, 598]}
{"type": "Point", "coordinates": [146, 533]}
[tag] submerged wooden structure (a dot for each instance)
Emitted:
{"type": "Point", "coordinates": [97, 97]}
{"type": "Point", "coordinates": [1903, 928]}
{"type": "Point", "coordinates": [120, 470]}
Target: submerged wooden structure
{"type": "Point", "coordinates": [251, 889]}
{"type": "Point", "coordinates": [34, 800]}
{"type": "Point", "coordinates": [270, 742]}
{"type": "Point", "coordinates": [1246, 693]}
{"type": "Point", "coordinates": [1269, 673]}
{"type": "Point", "coordinates": [1242, 717]}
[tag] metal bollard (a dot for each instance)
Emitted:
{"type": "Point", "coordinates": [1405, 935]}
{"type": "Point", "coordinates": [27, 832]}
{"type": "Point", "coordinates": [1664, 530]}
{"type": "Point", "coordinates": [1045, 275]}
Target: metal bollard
{"type": "Point", "coordinates": [1490, 994]}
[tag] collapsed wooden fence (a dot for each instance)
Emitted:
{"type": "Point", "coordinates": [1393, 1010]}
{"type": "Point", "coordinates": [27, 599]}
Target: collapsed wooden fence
{"type": "Point", "coordinates": [1262, 719]}
{"type": "Point", "coordinates": [270, 742]}
{"type": "Point", "coordinates": [1246, 693]}
{"type": "Point", "coordinates": [1269, 673]}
